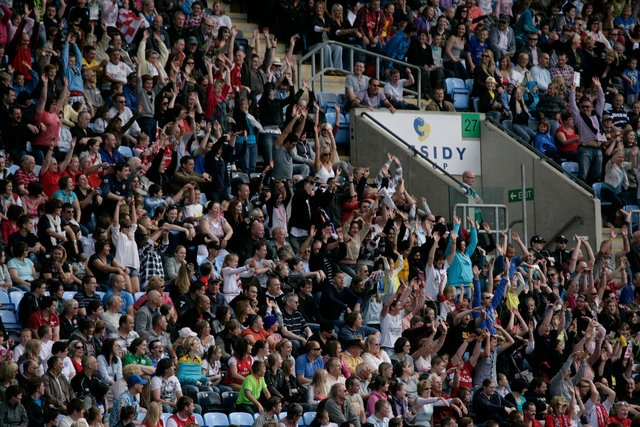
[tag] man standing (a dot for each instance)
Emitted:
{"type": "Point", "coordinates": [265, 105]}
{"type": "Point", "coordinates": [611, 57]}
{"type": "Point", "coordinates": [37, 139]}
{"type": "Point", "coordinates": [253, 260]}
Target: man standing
{"type": "Point", "coordinates": [338, 300]}
{"type": "Point", "coordinates": [588, 123]}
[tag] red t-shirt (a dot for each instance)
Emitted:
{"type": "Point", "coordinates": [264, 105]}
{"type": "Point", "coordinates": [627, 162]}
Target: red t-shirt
{"type": "Point", "coordinates": [573, 147]}
{"type": "Point", "coordinates": [37, 319]}
{"type": "Point", "coordinates": [49, 182]}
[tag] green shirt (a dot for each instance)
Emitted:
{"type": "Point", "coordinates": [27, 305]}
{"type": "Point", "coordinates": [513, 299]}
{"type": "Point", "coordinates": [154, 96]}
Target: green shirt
{"type": "Point", "coordinates": [254, 385]}
{"type": "Point", "coordinates": [130, 358]}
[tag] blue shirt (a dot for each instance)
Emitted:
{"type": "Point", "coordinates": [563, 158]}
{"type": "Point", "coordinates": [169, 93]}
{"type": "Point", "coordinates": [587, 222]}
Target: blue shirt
{"type": "Point", "coordinates": [112, 159]}
{"type": "Point", "coordinates": [306, 368]}
{"type": "Point", "coordinates": [544, 142]}
{"type": "Point", "coordinates": [631, 88]}
{"type": "Point", "coordinates": [625, 23]}
{"type": "Point", "coordinates": [475, 49]}
{"type": "Point", "coordinates": [127, 299]}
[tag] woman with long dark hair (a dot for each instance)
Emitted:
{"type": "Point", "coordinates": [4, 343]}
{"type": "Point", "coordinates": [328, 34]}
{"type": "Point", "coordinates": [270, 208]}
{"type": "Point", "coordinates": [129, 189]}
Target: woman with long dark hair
{"type": "Point", "coordinates": [109, 363]}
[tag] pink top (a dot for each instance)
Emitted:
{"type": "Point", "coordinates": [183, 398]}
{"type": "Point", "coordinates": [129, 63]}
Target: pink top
{"type": "Point", "coordinates": [52, 122]}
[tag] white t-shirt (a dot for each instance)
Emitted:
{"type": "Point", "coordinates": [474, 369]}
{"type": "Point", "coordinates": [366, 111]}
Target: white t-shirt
{"type": "Point", "coordinates": [391, 329]}
{"type": "Point", "coordinates": [395, 91]}
{"type": "Point", "coordinates": [118, 71]}
{"type": "Point", "coordinates": [432, 279]}
{"type": "Point", "coordinates": [171, 386]}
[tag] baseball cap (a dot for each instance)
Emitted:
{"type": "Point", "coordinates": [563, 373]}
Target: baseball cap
{"type": "Point", "coordinates": [538, 239]}
{"type": "Point", "coordinates": [504, 18]}
{"type": "Point", "coordinates": [193, 40]}
{"type": "Point", "coordinates": [135, 379]}
{"type": "Point", "coordinates": [606, 117]}
{"type": "Point", "coordinates": [562, 239]}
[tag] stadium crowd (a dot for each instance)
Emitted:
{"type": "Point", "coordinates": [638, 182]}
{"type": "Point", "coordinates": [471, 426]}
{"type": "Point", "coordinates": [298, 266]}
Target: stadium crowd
{"type": "Point", "coordinates": [180, 236]}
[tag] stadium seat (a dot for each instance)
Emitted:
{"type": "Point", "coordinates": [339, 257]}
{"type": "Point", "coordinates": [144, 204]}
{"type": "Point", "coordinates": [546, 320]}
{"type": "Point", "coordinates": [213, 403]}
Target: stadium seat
{"type": "Point", "coordinates": [125, 151]}
{"type": "Point", "coordinates": [210, 401]}
{"type": "Point", "coordinates": [241, 419]}
{"type": "Point", "coordinates": [215, 419]}
{"type": "Point", "coordinates": [10, 320]}
{"type": "Point", "coordinates": [36, 169]}
{"type": "Point", "coordinates": [164, 417]}
{"type": "Point", "coordinates": [326, 97]}
{"type": "Point", "coordinates": [240, 176]}
{"type": "Point", "coordinates": [282, 415]}
{"type": "Point", "coordinates": [469, 85]}
{"type": "Point", "coordinates": [69, 295]}
{"type": "Point", "coordinates": [100, 294]}
{"type": "Point", "coordinates": [13, 168]}
{"type": "Point", "coordinates": [597, 188]}
{"type": "Point", "coordinates": [16, 297]}
{"type": "Point", "coordinates": [571, 168]}
{"type": "Point", "coordinates": [476, 105]}
{"type": "Point", "coordinates": [256, 415]}
{"type": "Point", "coordinates": [199, 419]}
{"type": "Point", "coordinates": [5, 300]}
{"type": "Point", "coordinates": [307, 417]}
{"type": "Point", "coordinates": [138, 295]}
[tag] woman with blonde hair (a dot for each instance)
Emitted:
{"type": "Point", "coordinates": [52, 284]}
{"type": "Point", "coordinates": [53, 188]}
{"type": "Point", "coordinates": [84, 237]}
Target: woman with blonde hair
{"type": "Point", "coordinates": [504, 70]}
{"type": "Point", "coordinates": [8, 372]}
{"type": "Point", "coordinates": [324, 155]}
{"type": "Point", "coordinates": [32, 352]}
{"type": "Point", "coordinates": [485, 69]}
{"type": "Point", "coordinates": [181, 283]}
{"type": "Point", "coordinates": [521, 116]}
{"type": "Point", "coordinates": [318, 389]}
{"type": "Point", "coordinates": [206, 340]}
{"type": "Point", "coordinates": [243, 311]}
{"type": "Point", "coordinates": [373, 356]}
{"type": "Point", "coordinates": [152, 419]}
{"type": "Point", "coordinates": [560, 413]}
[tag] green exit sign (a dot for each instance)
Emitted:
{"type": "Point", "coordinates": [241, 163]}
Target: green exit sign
{"type": "Point", "coordinates": [470, 125]}
{"type": "Point", "coordinates": [516, 195]}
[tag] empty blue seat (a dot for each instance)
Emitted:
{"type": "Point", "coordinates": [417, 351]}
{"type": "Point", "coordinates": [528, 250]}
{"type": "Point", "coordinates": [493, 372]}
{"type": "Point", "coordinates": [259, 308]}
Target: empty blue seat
{"type": "Point", "coordinates": [241, 419]}
{"type": "Point", "coordinates": [138, 295]}
{"type": "Point", "coordinates": [15, 297]}
{"type": "Point", "coordinates": [571, 167]}
{"type": "Point", "coordinates": [215, 419]}
{"type": "Point", "coordinates": [199, 419]}
{"type": "Point", "coordinates": [325, 97]}
{"type": "Point", "coordinates": [10, 320]}
{"type": "Point", "coordinates": [69, 295]}
{"type": "Point", "coordinates": [164, 417]}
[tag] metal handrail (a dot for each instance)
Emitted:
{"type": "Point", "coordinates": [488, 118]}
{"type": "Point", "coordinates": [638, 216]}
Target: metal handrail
{"type": "Point", "coordinates": [496, 208]}
{"type": "Point", "coordinates": [539, 154]}
{"type": "Point", "coordinates": [379, 57]}
{"type": "Point", "coordinates": [415, 151]}
{"type": "Point", "coordinates": [561, 230]}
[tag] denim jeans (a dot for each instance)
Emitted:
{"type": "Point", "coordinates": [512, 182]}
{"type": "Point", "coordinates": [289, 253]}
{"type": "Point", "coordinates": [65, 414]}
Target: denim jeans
{"type": "Point", "coordinates": [248, 161]}
{"type": "Point", "coordinates": [301, 169]}
{"type": "Point", "coordinates": [266, 141]}
{"type": "Point", "coordinates": [589, 164]}
{"type": "Point", "coordinates": [148, 126]}
{"type": "Point", "coordinates": [524, 132]}
{"type": "Point", "coordinates": [332, 55]}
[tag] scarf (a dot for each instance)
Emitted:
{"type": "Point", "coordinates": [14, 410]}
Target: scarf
{"type": "Point", "coordinates": [603, 416]}
{"type": "Point", "coordinates": [55, 224]}
{"type": "Point", "coordinates": [587, 121]}
{"type": "Point", "coordinates": [561, 421]}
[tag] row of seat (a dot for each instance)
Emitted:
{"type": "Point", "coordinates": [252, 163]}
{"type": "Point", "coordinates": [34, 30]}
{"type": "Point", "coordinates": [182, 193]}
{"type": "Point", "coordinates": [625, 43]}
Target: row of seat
{"type": "Point", "coordinates": [242, 419]}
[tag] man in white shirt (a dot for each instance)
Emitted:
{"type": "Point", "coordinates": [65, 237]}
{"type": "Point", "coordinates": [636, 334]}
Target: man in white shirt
{"type": "Point", "coordinates": [393, 90]}
{"type": "Point", "coordinates": [391, 318]}
{"type": "Point", "coordinates": [541, 73]}
{"type": "Point", "coordinates": [116, 70]}
{"type": "Point", "coordinates": [121, 110]}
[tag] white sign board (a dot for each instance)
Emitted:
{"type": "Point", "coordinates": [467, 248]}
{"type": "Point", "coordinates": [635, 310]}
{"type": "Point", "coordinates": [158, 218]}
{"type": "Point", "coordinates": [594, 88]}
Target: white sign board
{"type": "Point", "coordinates": [438, 137]}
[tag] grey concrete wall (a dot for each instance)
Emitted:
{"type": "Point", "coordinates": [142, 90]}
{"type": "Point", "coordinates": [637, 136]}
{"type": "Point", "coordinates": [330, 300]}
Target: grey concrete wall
{"type": "Point", "coordinates": [369, 147]}
{"type": "Point", "coordinates": [556, 198]}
